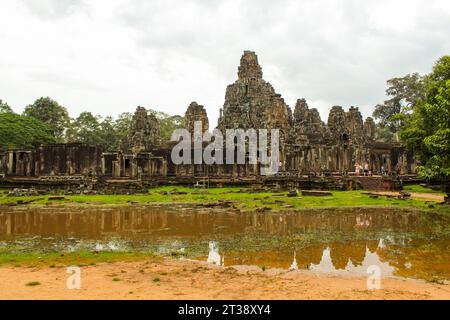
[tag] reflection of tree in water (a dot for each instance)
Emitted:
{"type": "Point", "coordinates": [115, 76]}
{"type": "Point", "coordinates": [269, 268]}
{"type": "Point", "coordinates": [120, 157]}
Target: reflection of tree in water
{"type": "Point", "coordinates": [160, 221]}
{"type": "Point", "coordinates": [346, 257]}
{"type": "Point", "coordinates": [140, 226]}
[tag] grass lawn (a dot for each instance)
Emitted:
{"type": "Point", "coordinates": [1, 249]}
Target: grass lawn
{"type": "Point", "coordinates": [79, 258]}
{"type": "Point", "coordinates": [240, 198]}
{"type": "Point", "coordinates": [421, 189]}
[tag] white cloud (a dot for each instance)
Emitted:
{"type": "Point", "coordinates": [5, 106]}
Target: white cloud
{"type": "Point", "coordinates": [110, 56]}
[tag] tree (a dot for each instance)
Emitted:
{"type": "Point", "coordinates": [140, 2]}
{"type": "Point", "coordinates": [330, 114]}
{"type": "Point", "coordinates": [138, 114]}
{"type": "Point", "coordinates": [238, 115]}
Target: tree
{"type": "Point", "coordinates": [22, 132]}
{"type": "Point", "coordinates": [51, 113]}
{"type": "Point", "coordinates": [167, 123]}
{"type": "Point", "coordinates": [122, 127]}
{"type": "Point", "coordinates": [5, 108]}
{"type": "Point", "coordinates": [427, 128]}
{"type": "Point", "coordinates": [85, 129]}
{"type": "Point", "coordinates": [108, 134]}
{"type": "Point", "coordinates": [384, 133]}
{"type": "Point", "coordinates": [95, 130]}
{"type": "Point", "coordinates": [404, 93]}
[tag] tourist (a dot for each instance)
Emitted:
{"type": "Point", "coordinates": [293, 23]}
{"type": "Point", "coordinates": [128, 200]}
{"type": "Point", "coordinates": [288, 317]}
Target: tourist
{"type": "Point", "coordinates": [357, 169]}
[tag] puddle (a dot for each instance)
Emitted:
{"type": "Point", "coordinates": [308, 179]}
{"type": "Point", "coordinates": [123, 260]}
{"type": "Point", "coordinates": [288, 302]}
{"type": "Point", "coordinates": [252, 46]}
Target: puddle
{"type": "Point", "coordinates": [339, 241]}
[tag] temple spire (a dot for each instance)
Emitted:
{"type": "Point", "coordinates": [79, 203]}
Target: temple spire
{"type": "Point", "coordinates": [249, 67]}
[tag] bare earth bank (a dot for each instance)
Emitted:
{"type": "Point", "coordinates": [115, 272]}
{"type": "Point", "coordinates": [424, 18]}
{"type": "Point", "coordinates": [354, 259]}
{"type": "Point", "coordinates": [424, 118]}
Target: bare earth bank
{"type": "Point", "coordinates": [186, 279]}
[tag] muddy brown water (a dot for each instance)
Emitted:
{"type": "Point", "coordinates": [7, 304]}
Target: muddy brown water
{"type": "Point", "coordinates": [343, 241]}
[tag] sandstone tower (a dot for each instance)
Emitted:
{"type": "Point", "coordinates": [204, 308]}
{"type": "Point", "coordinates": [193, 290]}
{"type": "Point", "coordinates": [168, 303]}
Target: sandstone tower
{"type": "Point", "coordinates": [251, 102]}
{"type": "Point", "coordinates": [196, 112]}
{"type": "Point", "coordinates": [144, 132]}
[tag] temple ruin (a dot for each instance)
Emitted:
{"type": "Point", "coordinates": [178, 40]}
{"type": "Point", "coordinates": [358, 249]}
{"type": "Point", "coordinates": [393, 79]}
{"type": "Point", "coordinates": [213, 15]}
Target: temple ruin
{"type": "Point", "coordinates": [312, 153]}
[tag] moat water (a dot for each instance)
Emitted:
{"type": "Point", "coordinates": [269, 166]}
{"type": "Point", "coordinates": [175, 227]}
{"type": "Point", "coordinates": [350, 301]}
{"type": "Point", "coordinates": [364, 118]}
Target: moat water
{"type": "Point", "coordinates": [342, 241]}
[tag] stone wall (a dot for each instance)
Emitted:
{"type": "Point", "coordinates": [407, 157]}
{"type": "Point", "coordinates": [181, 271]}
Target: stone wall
{"type": "Point", "coordinates": [67, 159]}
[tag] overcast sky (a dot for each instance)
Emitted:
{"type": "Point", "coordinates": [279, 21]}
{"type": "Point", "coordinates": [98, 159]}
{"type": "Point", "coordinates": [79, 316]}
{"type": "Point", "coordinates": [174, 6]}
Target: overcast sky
{"type": "Point", "coordinates": [109, 56]}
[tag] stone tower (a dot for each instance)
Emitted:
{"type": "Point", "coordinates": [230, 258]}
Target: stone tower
{"type": "Point", "coordinates": [144, 132]}
{"type": "Point", "coordinates": [196, 112]}
{"type": "Point", "coordinates": [249, 67]}
{"type": "Point", "coordinates": [251, 102]}
{"type": "Point", "coordinates": [307, 122]}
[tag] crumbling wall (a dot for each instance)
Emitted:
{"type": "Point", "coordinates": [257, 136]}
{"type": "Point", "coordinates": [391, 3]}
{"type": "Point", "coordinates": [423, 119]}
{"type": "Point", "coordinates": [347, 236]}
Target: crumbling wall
{"type": "Point", "coordinates": [68, 159]}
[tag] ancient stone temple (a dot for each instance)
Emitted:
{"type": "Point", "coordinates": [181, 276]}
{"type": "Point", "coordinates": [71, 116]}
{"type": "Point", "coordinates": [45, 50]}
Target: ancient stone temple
{"type": "Point", "coordinates": [251, 102]}
{"type": "Point", "coordinates": [196, 112]}
{"type": "Point", "coordinates": [144, 132]}
{"type": "Point", "coordinates": [312, 152]}
{"type": "Point", "coordinates": [136, 158]}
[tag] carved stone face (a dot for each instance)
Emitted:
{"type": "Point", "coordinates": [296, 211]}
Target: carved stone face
{"type": "Point", "coordinates": [144, 132]}
{"type": "Point", "coordinates": [196, 112]}
{"type": "Point", "coordinates": [249, 68]}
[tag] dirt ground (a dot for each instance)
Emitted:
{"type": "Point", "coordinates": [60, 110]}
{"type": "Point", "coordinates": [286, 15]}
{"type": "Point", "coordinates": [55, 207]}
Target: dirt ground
{"type": "Point", "coordinates": [186, 279]}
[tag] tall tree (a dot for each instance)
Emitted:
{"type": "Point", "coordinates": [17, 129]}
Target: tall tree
{"type": "Point", "coordinates": [427, 128]}
{"type": "Point", "coordinates": [122, 128]}
{"type": "Point", "coordinates": [167, 123]}
{"type": "Point", "coordinates": [51, 113]}
{"type": "Point", "coordinates": [22, 132]}
{"type": "Point", "coordinates": [85, 129]}
{"type": "Point", "coordinates": [404, 93]}
{"type": "Point", "coordinates": [108, 134]}
{"type": "Point", "coordinates": [5, 108]}
{"type": "Point", "coordinates": [384, 133]}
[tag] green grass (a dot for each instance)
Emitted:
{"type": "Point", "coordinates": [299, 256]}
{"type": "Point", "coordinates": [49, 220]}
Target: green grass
{"type": "Point", "coordinates": [241, 199]}
{"type": "Point", "coordinates": [421, 189]}
{"type": "Point", "coordinates": [82, 258]}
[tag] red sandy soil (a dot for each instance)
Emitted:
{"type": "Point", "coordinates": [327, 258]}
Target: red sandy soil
{"type": "Point", "coordinates": [186, 279]}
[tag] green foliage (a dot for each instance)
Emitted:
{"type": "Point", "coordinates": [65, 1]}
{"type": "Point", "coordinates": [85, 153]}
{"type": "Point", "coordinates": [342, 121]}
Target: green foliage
{"type": "Point", "coordinates": [122, 127]}
{"type": "Point", "coordinates": [22, 132]}
{"type": "Point", "coordinates": [5, 108]}
{"type": "Point", "coordinates": [404, 93]}
{"type": "Point", "coordinates": [85, 129]}
{"type": "Point", "coordinates": [384, 133]}
{"type": "Point", "coordinates": [427, 128]}
{"type": "Point", "coordinates": [93, 130]}
{"type": "Point", "coordinates": [167, 123]}
{"type": "Point", "coordinates": [51, 113]}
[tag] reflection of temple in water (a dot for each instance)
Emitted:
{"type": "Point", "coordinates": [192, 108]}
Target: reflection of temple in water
{"type": "Point", "coordinates": [358, 259]}
{"type": "Point", "coordinates": [160, 221]}
{"type": "Point", "coordinates": [327, 265]}
{"type": "Point", "coordinates": [145, 227]}
{"type": "Point", "coordinates": [214, 255]}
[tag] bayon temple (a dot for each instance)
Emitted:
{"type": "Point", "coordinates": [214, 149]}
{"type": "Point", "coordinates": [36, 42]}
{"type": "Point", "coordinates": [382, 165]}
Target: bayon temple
{"type": "Point", "coordinates": [312, 153]}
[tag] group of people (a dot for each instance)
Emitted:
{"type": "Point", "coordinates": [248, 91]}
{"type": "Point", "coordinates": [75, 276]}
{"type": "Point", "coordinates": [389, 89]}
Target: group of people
{"type": "Point", "coordinates": [365, 170]}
